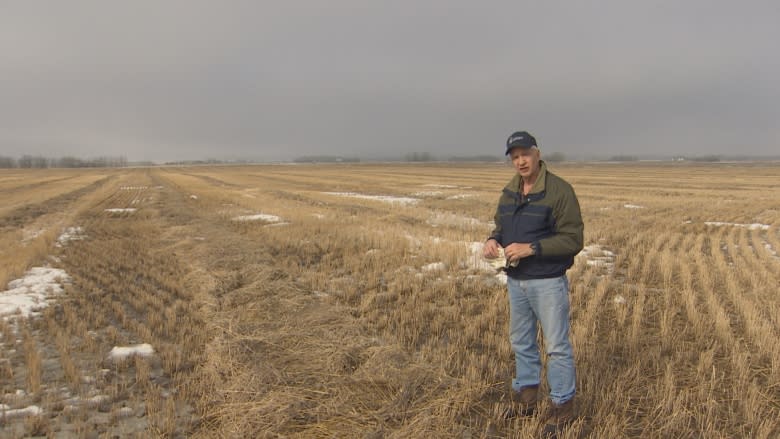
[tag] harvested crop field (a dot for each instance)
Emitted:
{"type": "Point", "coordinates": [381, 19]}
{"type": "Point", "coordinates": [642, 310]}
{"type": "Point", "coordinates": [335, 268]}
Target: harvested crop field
{"type": "Point", "coordinates": [351, 301]}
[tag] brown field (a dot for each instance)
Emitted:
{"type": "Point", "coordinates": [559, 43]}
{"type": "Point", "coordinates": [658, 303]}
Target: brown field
{"type": "Point", "coordinates": [354, 317]}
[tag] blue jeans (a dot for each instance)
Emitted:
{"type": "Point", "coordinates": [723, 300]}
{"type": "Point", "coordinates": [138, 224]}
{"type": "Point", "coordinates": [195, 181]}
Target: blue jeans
{"type": "Point", "coordinates": [545, 300]}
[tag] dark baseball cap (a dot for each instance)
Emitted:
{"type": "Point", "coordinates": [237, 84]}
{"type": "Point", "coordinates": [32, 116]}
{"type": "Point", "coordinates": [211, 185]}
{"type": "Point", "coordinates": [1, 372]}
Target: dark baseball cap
{"type": "Point", "coordinates": [520, 139]}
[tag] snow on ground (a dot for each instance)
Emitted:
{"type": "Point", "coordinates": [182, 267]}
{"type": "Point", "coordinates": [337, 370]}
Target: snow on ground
{"type": "Point", "coordinates": [754, 226]}
{"type": "Point", "coordinates": [133, 188]}
{"type": "Point", "coordinates": [120, 210]}
{"type": "Point", "coordinates": [283, 223]}
{"type": "Point", "coordinates": [383, 198]}
{"type": "Point", "coordinates": [428, 194]}
{"type": "Point", "coordinates": [480, 263]}
{"type": "Point", "coordinates": [451, 219]}
{"type": "Point", "coordinates": [318, 215]}
{"type": "Point", "coordinates": [259, 217]}
{"type": "Point", "coordinates": [460, 196]}
{"type": "Point", "coordinates": [29, 235]}
{"type": "Point", "coordinates": [70, 234]}
{"type": "Point", "coordinates": [597, 256]}
{"type": "Point", "coordinates": [32, 292]}
{"type": "Point", "coordinates": [633, 206]}
{"type": "Point", "coordinates": [119, 353]}
{"type": "Point", "coordinates": [442, 186]}
{"type": "Point", "coordinates": [32, 410]}
{"type": "Point", "coordinates": [434, 266]}
{"type": "Point", "coordinates": [194, 197]}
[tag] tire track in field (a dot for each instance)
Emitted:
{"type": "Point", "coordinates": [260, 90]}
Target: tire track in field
{"type": "Point", "coordinates": [28, 213]}
{"type": "Point", "coordinates": [126, 288]}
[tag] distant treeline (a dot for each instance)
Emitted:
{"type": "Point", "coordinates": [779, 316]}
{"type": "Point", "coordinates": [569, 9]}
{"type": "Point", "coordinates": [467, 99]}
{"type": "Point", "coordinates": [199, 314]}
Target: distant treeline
{"type": "Point", "coordinates": [325, 159]}
{"type": "Point", "coordinates": [39, 162]}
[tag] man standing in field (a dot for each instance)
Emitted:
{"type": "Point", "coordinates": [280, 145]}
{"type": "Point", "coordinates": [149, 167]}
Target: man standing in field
{"type": "Point", "coordinates": [539, 231]}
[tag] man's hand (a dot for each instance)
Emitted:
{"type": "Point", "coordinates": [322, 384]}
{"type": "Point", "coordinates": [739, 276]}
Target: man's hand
{"type": "Point", "coordinates": [490, 249]}
{"type": "Point", "coordinates": [519, 250]}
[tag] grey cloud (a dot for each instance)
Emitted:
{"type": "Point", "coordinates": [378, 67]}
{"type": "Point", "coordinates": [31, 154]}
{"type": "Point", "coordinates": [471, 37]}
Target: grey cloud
{"type": "Point", "coordinates": [167, 80]}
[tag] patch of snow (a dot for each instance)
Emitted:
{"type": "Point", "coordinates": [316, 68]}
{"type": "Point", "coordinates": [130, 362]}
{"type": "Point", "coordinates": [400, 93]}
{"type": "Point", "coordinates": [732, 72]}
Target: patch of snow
{"type": "Point", "coordinates": [633, 206]}
{"type": "Point", "coordinates": [125, 412]}
{"type": "Point", "coordinates": [194, 197]}
{"type": "Point", "coordinates": [460, 196]}
{"type": "Point", "coordinates": [70, 234]}
{"type": "Point", "coordinates": [383, 198]}
{"type": "Point", "coordinates": [770, 249]}
{"type": "Point", "coordinates": [31, 292]}
{"type": "Point", "coordinates": [442, 186]}
{"type": "Point", "coordinates": [754, 226]}
{"type": "Point", "coordinates": [597, 256]}
{"type": "Point", "coordinates": [120, 210]}
{"type": "Point", "coordinates": [451, 219]}
{"type": "Point", "coordinates": [32, 410]}
{"type": "Point", "coordinates": [414, 241]}
{"type": "Point", "coordinates": [284, 223]}
{"type": "Point", "coordinates": [122, 352]}
{"type": "Point", "coordinates": [132, 188]}
{"type": "Point", "coordinates": [620, 300]}
{"type": "Point", "coordinates": [318, 215]}
{"type": "Point", "coordinates": [29, 235]}
{"type": "Point", "coordinates": [478, 262]}
{"type": "Point", "coordinates": [427, 194]}
{"type": "Point", "coordinates": [435, 266]}
{"type": "Point", "coordinates": [259, 217]}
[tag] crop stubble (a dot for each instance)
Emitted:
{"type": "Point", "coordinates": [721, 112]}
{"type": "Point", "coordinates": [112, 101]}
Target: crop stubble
{"type": "Point", "coordinates": [329, 325]}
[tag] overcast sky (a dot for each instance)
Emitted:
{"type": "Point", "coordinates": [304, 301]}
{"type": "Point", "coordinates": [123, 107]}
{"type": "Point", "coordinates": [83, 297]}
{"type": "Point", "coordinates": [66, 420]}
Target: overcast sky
{"type": "Point", "coordinates": [166, 80]}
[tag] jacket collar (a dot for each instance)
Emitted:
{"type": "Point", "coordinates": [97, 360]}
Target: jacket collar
{"type": "Point", "coordinates": [515, 183]}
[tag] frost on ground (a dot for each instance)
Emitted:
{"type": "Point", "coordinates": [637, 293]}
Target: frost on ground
{"type": "Point", "coordinates": [121, 210]}
{"type": "Point", "coordinates": [259, 217]}
{"type": "Point", "coordinates": [31, 293]}
{"type": "Point", "coordinates": [383, 198]}
{"type": "Point", "coordinates": [633, 206]}
{"type": "Point", "coordinates": [754, 226]}
{"type": "Point", "coordinates": [597, 256]}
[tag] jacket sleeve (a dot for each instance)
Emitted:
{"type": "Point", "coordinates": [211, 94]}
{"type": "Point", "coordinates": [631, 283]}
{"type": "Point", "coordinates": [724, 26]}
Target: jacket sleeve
{"type": "Point", "coordinates": [568, 237]}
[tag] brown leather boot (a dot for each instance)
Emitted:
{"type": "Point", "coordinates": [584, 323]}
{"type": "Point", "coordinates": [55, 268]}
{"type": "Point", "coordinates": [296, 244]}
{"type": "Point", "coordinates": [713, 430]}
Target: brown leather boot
{"type": "Point", "coordinates": [523, 402]}
{"type": "Point", "coordinates": [557, 418]}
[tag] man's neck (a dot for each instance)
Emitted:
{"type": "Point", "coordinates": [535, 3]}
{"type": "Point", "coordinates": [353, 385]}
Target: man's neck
{"type": "Point", "coordinates": [529, 183]}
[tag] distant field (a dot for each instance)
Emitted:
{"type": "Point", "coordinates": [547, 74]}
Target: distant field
{"type": "Point", "coordinates": [351, 301]}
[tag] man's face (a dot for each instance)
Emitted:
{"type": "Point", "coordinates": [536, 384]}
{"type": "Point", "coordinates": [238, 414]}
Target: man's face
{"type": "Point", "coordinates": [525, 161]}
